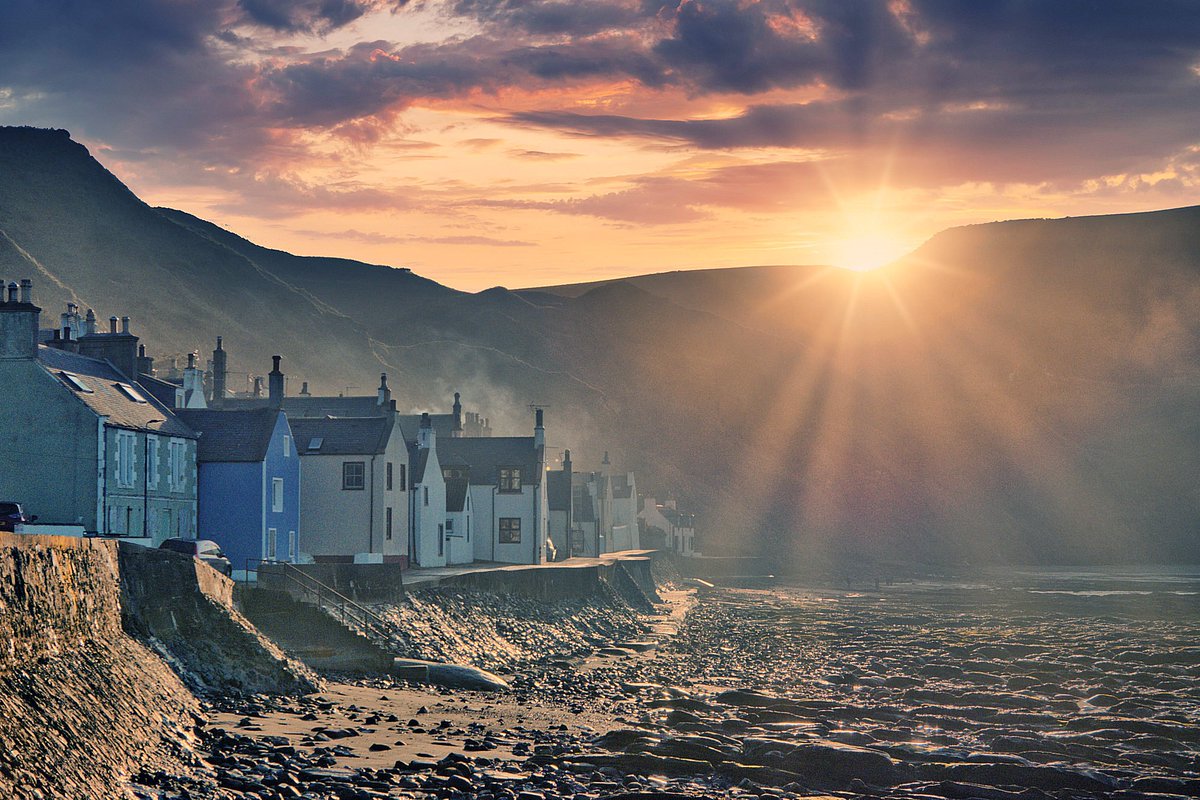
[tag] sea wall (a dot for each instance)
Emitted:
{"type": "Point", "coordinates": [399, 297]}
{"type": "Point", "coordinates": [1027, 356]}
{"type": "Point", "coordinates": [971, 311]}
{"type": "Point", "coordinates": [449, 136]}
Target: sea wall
{"type": "Point", "coordinates": [82, 703]}
{"type": "Point", "coordinates": [184, 610]}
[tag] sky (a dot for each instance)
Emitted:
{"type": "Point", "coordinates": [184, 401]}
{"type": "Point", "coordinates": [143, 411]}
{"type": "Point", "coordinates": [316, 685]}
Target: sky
{"type": "Point", "coordinates": [537, 142]}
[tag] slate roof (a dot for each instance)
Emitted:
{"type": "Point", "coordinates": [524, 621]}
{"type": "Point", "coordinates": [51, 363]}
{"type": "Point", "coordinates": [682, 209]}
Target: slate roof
{"type": "Point", "coordinates": [163, 391]}
{"type": "Point", "coordinates": [107, 399]}
{"type": "Point", "coordinates": [362, 406]}
{"type": "Point", "coordinates": [341, 436]}
{"type": "Point", "coordinates": [228, 436]}
{"type": "Point", "coordinates": [456, 494]}
{"type": "Point", "coordinates": [558, 490]}
{"type": "Point", "coordinates": [443, 425]}
{"type": "Point", "coordinates": [486, 455]}
{"type": "Point", "coordinates": [417, 461]}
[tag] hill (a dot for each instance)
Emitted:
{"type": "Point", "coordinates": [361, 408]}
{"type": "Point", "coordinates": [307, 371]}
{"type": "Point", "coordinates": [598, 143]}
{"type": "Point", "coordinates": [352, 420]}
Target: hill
{"type": "Point", "coordinates": [1021, 391]}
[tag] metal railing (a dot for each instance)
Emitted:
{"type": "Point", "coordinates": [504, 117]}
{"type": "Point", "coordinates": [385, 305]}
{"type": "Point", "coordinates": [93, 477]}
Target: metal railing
{"type": "Point", "coordinates": [331, 601]}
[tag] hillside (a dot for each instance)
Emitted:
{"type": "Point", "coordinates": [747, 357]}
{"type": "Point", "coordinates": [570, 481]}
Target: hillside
{"type": "Point", "coordinates": [1020, 390]}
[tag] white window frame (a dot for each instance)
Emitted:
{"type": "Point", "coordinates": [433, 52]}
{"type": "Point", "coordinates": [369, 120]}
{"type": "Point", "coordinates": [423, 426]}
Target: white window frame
{"type": "Point", "coordinates": [287, 446]}
{"type": "Point", "coordinates": [176, 456]}
{"type": "Point", "coordinates": [276, 495]}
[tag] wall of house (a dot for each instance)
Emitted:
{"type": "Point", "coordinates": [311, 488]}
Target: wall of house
{"type": "Point", "coordinates": [337, 522]}
{"type": "Point", "coordinates": [396, 548]}
{"type": "Point", "coordinates": [429, 516]}
{"type": "Point", "coordinates": [48, 456]}
{"type": "Point", "coordinates": [230, 509]}
{"type": "Point", "coordinates": [150, 506]}
{"type": "Point", "coordinates": [460, 548]}
{"type": "Point", "coordinates": [280, 462]}
{"type": "Point", "coordinates": [557, 531]}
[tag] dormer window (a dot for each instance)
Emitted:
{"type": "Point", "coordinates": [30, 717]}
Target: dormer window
{"type": "Point", "coordinates": [510, 479]}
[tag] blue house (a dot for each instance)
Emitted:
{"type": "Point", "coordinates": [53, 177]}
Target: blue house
{"type": "Point", "coordinates": [249, 484]}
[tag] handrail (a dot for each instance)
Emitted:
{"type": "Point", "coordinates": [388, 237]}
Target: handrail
{"type": "Point", "coordinates": [327, 595]}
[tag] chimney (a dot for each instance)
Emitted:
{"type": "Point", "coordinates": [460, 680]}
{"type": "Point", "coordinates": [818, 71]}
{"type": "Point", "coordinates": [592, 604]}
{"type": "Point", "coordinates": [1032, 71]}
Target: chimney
{"type": "Point", "coordinates": [89, 323]}
{"type": "Point", "coordinates": [275, 383]}
{"type": "Point", "coordinates": [385, 394]}
{"type": "Point", "coordinates": [539, 430]}
{"type": "Point", "coordinates": [112, 325]}
{"type": "Point", "coordinates": [304, 390]}
{"type": "Point", "coordinates": [219, 373]}
{"type": "Point", "coordinates": [145, 363]}
{"type": "Point", "coordinates": [567, 464]}
{"type": "Point", "coordinates": [458, 421]}
{"type": "Point", "coordinates": [258, 386]}
{"type": "Point", "coordinates": [124, 324]}
{"type": "Point", "coordinates": [193, 384]}
{"type": "Point", "coordinates": [426, 437]}
{"type": "Point", "coordinates": [19, 322]}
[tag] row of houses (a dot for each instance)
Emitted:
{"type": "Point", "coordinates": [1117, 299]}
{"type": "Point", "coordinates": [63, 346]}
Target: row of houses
{"type": "Point", "coordinates": [95, 442]}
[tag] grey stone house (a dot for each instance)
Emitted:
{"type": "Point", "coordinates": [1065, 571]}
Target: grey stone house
{"type": "Point", "coordinates": [81, 441]}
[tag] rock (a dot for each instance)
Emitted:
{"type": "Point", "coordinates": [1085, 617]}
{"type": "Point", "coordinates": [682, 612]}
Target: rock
{"type": "Point", "coordinates": [841, 762]}
{"type": "Point", "coordinates": [455, 676]}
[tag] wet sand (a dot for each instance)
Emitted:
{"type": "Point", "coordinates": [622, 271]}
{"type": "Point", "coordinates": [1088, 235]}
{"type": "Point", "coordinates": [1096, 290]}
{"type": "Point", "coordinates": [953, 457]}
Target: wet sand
{"type": "Point", "coordinates": [909, 692]}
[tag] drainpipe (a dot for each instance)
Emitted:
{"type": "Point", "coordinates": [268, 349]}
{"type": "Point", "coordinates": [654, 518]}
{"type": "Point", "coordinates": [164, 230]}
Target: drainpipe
{"type": "Point", "coordinates": [371, 516]}
{"type": "Point", "coordinates": [494, 534]}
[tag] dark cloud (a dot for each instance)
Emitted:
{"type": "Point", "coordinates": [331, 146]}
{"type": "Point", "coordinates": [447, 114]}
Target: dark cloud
{"type": "Point", "coordinates": [296, 16]}
{"type": "Point", "coordinates": [554, 17]}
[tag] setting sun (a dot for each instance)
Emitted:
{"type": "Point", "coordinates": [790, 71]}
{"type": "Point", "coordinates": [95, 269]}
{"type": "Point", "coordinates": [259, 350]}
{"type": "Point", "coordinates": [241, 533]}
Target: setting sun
{"type": "Point", "coordinates": [867, 251]}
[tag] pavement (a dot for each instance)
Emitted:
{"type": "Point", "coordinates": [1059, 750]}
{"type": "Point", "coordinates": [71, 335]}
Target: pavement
{"type": "Point", "coordinates": [432, 576]}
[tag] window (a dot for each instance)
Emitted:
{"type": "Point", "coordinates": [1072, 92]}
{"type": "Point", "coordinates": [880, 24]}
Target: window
{"type": "Point", "coordinates": [176, 452]}
{"type": "Point", "coordinates": [403, 477]}
{"type": "Point", "coordinates": [354, 475]}
{"type": "Point", "coordinates": [272, 537]}
{"type": "Point", "coordinates": [277, 494]}
{"type": "Point", "coordinates": [468, 529]}
{"type": "Point", "coordinates": [287, 446]}
{"type": "Point", "coordinates": [75, 383]}
{"type": "Point", "coordinates": [426, 495]}
{"type": "Point", "coordinates": [441, 540]}
{"type": "Point", "coordinates": [389, 476]}
{"type": "Point", "coordinates": [388, 523]}
{"type": "Point", "coordinates": [510, 530]}
{"type": "Point", "coordinates": [449, 528]}
{"type": "Point", "coordinates": [315, 443]}
{"type": "Point", "coordinates": [450, 473]}
{"type": "Point", "coordinates": [130, 392]}
{"type": "Point", "coordinates": [152, 462]}
{"type": "Point", "coordinates": [126, 474]}
{"type": "Point", "coordinates": [291, 551]}
{"type": "Point", "coordinates": [510, 479]}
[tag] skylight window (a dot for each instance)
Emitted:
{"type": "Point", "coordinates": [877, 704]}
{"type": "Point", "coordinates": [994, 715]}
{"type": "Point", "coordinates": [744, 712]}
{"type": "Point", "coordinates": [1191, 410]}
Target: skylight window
{"type": "Point", "coordinates": [132, 393]}
{"type": "Point", "coordinates": [316, 443]}
{"type": "Point", "coordinates": [75, 383]}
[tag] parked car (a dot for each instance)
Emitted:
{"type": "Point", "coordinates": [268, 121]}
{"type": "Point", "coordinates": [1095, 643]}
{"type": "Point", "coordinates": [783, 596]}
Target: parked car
{"type": "Point", "coordinates": [12, 515]}
{"type": "Point", "coordinates": [206, 550]}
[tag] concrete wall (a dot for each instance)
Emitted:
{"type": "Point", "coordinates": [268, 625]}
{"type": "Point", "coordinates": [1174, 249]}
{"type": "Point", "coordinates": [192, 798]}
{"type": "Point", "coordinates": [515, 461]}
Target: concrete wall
{"type": "Point", "coordinates": [48, 447]}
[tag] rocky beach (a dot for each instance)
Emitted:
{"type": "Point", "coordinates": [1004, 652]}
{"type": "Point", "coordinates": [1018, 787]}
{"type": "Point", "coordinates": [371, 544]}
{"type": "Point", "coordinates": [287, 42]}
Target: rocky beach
{"type": "Point", "coordinates": [1039, 686]}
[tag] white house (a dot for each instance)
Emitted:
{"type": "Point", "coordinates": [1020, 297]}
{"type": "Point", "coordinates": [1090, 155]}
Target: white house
{"type": "Point", "coordinates": [460, 546]}
{"type": "Point", "coordinates": [679, 527]}
{"type": "Point", "coordinates": [427, 498]}
{"type": "Point", "coordinates": [624, 521]}
{"type": "Point", "coordinates": [352, 488]}
{"type": "Point", "coordinates": [507, 486]}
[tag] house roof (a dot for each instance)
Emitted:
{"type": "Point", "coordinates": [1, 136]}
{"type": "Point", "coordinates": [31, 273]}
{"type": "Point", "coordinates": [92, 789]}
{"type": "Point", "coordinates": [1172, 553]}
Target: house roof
{"type": "Point", "coordinates": [620, 487]}
{"type": "Point", "coordinates": [443, 425]}
{"type": "Point", "coordinates": [108, 393]}
{"type": "Point", "coordinates": [487, 455]}
{"type": "Point", "coordinates": [340, 436]}
{"type": "Point", "coordinates": [456, 494]}
{"type": "Point", "coordinates": [361, 406]}
{"type": "Point", "coordinates": [678, 518]}
{"type": "Point", "coordinates": [558, 490]}
{"type": "Point", "coordinates": [163, 391]}
{"type": "Point", "coordinates": [242, 436]}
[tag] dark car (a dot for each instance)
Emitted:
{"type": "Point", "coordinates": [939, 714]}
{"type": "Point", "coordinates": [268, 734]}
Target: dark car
{"type": "Point", "coordinates": [12, 515]}
{"type": "Point", "coordinates": [206, 550]}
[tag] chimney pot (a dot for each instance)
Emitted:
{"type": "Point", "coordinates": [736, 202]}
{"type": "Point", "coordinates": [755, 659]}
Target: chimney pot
{"type": "Point", "coordinates": [26, 291]}
{"type": "Point", "coordinates": [191, 359]}
{"type": "Point", "coordinates": [112, 324]}
{"type": "Point", "coordinates": [304, 389]}
{"type": "Point", "coordinates": [12, 291]}
{"type": "Point", "coordinates": [124, 324]}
